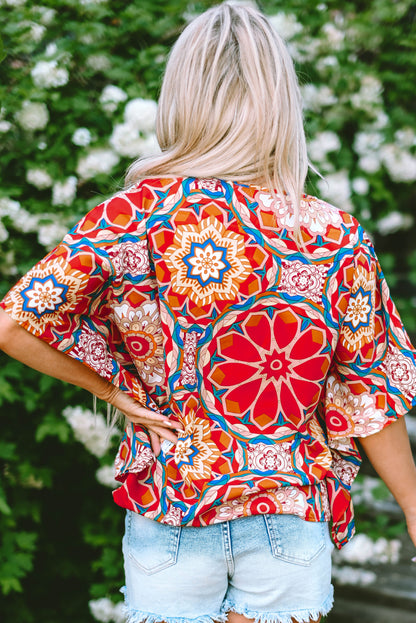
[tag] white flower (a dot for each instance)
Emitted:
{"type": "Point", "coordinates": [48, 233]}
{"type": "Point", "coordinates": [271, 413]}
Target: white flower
{"type": "Point", "coordinates": [105, 476]}
{"type": "Point", "coordinates": [381, 120]}
{"type": "Point", "coordinates": [81, 137]}
{"type": "Point", "coordinates": [51, 49]}
{"type": "Point", "coordinates": [366, 214]}
{"type": "Point", "coordinates": [46, 74]}
{"type": "Point", "coordinates": [315, 98]}
{"type": "Point", "coordinates": [395, 221]}
{"type": "Point", "coordinates": [360, 186]}
{"type": "Point", "coordinates": [9, 207]}
{"type": "Point", "coordinates": [50, 234]}
{"type": "Point", "coordinates": [333, 36]}
{"type": "Point", "coordinates": [91, 430]}
{"type": "Point", "coordinates": [364, 488]}
{"type": "Point", "coordinates": [99, 160]}
{"type": "Point", "coordinates": [25, 222]}
{"type": "Point", "coordinates": [22, 220]}
{"type": "Point", "coordinates": [367, 142]}
{"type": "Point", "coordinates": [370, 163]}
{"type": "Point", "coordinates": [5, 126]}
{"type": "Point", "coordinates": [336, 188]}
{"type": "Point", "coordinates": [322, 144]}
{"type": "Point", "coordinates": [368, 98]}
{"type": "Point", "coordinates": [119, 612]}
{"type": "Point", "coordinates": [42, 145]}
{"type": "Point", "coordinates": [111, 97]}
{"type": "Point", "coordinates": [8, 264]}
{"type": "Point", "coordinates": [39, 178]}
{"type": "Point", "coordinates": [87, 2]}
{"type": "Point", "coordinates": [326, 62]}
{"type": "Point", "coordinates": [63, 193]}
{"type": "Point", "coordinates": [99, 62]}
{"type": "Point", "coordinates": [351, 575]}
{"type": "Point", "coordinates": [102, 609]}
{"type": "Point", "coordinates": [46, 14]}
{"type": "Point", "coordinates": [304, 49]}
{"type": "Point", "coordinates": [4, 234]}
{"type": "Point", "coordinates": [126, 140]}
{"type": "Point", "coordinates": [406, 137]}
{"type": "Point", "coordinates": [88, 39]}
{"type": "Point", "coordinates": [32, 115]}
{"type": "Point", "coordinates": [285, 24]}
{"type": "Point", "coordinates": [358, 550]}
{"type": "Point", "coordinates": [400, 163]}
{"type": "Point", "coordinates": [37, 31]}
{"type": "Point", "coordinates": [141, 114]}
{"type": "Point", "coordinates": [361, 550]}
{"type": "Point", "coordinates": [150, 145]}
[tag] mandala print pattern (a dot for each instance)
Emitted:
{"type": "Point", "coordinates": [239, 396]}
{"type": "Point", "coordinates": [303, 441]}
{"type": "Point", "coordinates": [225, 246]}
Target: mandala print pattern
{"type": "Point", "coordinates": [44, 293]}
{"type": "Point", "coordinates": [193, 296]}
{"type": "Point", "coordinates": [195, 452]}
{"type": "Point", "coordinates": [264, 457]}
{"type": "Point", "coordinates": [299, 279]}
{"type": "Point", "coordinates": [207, 262]}
{"type": "Point", "coordinates": [188, 376]}
{"type": "Point", "coordinates": [130, 259]}
{"type": "Point", "coordinates": [358, 326]}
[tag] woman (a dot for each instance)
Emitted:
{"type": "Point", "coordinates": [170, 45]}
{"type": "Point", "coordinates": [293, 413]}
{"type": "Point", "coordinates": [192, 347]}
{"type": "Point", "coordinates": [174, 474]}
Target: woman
{"type": "Point", "coordinates": [246, 332]}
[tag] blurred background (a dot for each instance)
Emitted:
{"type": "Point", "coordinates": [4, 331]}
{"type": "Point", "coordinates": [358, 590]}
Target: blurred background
{"type": "Point", "coordinates": [79, 81]}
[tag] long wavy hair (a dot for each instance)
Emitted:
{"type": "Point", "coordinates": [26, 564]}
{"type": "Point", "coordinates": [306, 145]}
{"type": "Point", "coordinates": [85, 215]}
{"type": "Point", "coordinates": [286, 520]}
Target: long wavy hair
{"type": "Point", "coordinates": [230, 107]}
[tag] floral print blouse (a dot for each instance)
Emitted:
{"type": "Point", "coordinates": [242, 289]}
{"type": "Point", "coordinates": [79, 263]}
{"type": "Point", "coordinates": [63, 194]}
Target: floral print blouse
{"type": "Point", "coordinates": [192, 296]}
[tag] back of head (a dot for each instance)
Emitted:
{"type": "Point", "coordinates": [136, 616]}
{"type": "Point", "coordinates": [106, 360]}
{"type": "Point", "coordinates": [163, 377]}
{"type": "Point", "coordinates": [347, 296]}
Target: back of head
{"type": "Point", "coordinates": [230, 105]}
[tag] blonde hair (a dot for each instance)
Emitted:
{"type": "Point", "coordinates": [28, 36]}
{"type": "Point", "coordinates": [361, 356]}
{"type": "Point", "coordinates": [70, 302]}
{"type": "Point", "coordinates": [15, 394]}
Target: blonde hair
{"type": "Point", "coordinates": [230, 106]}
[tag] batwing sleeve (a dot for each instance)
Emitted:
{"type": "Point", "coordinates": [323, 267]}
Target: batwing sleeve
{"type": "Point", "coordinates": [372, 379]}
{"type": "Point", "coordinates": [67, 298]}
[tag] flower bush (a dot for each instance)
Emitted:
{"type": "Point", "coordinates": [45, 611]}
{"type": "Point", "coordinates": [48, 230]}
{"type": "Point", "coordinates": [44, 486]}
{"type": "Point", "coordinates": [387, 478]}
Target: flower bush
{"type": "Point", "coordinates": [79, 85]}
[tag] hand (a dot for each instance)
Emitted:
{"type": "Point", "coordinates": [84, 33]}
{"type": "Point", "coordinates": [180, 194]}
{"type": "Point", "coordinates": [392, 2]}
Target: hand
{"type": "Point", "coordinates": [159, 426]}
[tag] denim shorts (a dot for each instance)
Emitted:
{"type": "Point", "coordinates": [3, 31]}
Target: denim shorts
{"type": "Point", "coordinates": [266, 567]}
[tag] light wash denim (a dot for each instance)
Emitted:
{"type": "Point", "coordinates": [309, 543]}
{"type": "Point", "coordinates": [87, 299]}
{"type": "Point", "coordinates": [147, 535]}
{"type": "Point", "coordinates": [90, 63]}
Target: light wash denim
{"type": "Point", "coordinates": [267, 567]}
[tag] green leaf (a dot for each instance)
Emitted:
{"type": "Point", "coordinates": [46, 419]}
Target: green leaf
{"type": "Point", "coordinates": [52, 426]}
{"type": "Point", "coordinates": [9, 585]}
{"type": "Point", "coordinates": [7, 450]}
{"type": "Point", "coordinates": [3, 53]}
{"type": "Point", "coordinates": [4, 507]}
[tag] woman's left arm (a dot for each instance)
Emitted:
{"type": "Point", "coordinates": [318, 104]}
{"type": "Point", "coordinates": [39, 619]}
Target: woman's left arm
{"type": "Point", "coordinates": [18, 343]}
{"type": "Point", "coordinates": [390, 454]}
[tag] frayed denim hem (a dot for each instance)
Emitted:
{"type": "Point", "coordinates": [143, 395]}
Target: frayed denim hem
{"type": "Point", "coordinates": [300, 616]}
{"type": "Point", "coordinates": [139, 616]}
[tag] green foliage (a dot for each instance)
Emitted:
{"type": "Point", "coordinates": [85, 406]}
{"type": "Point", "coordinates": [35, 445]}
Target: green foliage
{"type": "Point", "coordinates": [59, 530]}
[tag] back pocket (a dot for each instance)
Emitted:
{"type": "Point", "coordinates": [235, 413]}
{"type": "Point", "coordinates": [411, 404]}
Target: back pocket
{"type": "Point", "coordinates": [152, 546]}
{"type": "Point", "coordinates": [295, 540]}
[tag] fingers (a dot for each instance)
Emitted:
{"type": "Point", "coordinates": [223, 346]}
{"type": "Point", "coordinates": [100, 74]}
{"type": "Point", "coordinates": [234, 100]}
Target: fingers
{"type": "Point", "coordinates": [155, 442]}
{"type": "Point", "coordinates": [141, 415]}
{"type": "Point", "coordinates": [163, 433]}
{"type": "Point", "coordinates": [167, 426]}
{"type": "Point", "coordinates": [152, 417]}
{"type": "Point", "coordinates": [159, 426]}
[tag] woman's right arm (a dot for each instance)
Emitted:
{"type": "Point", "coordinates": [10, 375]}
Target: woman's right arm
{"type": "Point", "coordinates": [391, 456]}
{"type": "Point", "coordinates": [37, 354]}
